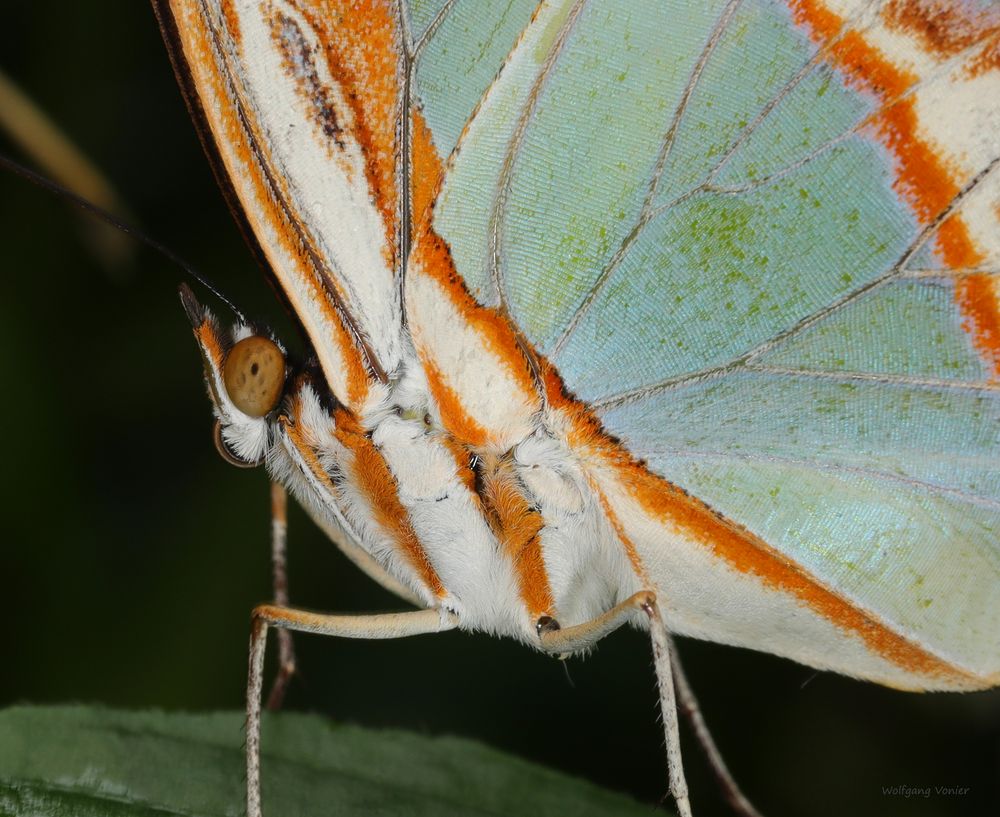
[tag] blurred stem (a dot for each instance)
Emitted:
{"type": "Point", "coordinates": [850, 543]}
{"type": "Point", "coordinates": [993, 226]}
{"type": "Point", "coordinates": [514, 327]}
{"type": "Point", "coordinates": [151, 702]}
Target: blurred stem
{"type": "Point", "coordinates": [56, 155]}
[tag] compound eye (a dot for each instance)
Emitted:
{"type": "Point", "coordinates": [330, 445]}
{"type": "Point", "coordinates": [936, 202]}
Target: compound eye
{"type": "Point", "coordinates": [254, 375]}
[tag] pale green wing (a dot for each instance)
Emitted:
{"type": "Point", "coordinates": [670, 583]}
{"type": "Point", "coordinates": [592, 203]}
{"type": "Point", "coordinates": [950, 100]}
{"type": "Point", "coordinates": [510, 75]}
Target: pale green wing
{"type": "Point", "coordinates": [763, 246]}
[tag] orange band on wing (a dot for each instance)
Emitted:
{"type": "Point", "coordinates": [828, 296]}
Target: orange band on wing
{"type": "Point", "coordinates": [454, 417]}
{"type": "Point", "coordinates": [232, 21]}
{"type": "Point", "coordinates": [734, 545]}
{"type": "Point", "coordinates": [822, 22]}
{"type": "Point", "coordinates": [923, 176]}
{"type": "Point", "coordinates": [979, 296]}
{"type": "Point", "coordinates": [360, 41]}
{"type": "Point", "coordinates": [362, 45]}
{"type": "Point", "coordinates": [433, 257]}
{"type": "Point", "coordinates": [426, 171]}
{"type": "Point", "coordinates": [948, 30]}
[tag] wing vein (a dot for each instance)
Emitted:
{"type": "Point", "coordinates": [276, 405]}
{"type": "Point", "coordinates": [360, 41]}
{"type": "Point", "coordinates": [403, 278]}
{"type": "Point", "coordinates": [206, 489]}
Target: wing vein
{"type": "Point", "coordinates": [763, 181]}
{"type": "Point", "coordinates": [743, 360]}
{"type": "Point", "coordinates": [402, 8]}
{"type": "Point", "coordinates": [431, 30]}
{"type": "Point", "coordinates": [860, 124]}
{"type": "Point", "coordinates": [876, 377]}
{"type": "Point", "coordinates": [302, 233]}
{"type": "Point", "coordinates": [948, 274]}
{"type": "Point", "coordinates": [646, 212]}
{"type": "Point", "coordinates": [812, 464]}
{"type": "Point", "coordinates": [496, 224]}
{"type": "Point", "coordinates": [403, 157]}
{"type": "Point", "coordinates": [682, 105]}
{"type": "Point", "coordinates": [783, 92]}
{"type": "Point", "coordinates": [891, 274]}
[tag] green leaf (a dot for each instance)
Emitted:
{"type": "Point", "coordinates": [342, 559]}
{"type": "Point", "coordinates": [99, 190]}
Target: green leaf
{"type": "Point", "coordinates": [90, 762]}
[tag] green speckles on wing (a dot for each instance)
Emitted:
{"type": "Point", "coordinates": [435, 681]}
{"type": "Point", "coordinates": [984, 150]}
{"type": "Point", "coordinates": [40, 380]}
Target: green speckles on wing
{"type": "Point", "coordinates": [907, 430]}
{"type": "Point", "coordinates": [590, 152]}
{"type": "Point", "coordinates": [581, 167]}
{"type": "Point", "coordinates": [868, 537]}
{"type": "Point", "coordinates": [813, 113]}
{"type": "Point", "coordinates": [756, 56]}
{"type": "Point", "coordinates": [461, 60]}
{"type": "Point", "coordinates": [856, 447]}
{"type": "Point", "coordinates": [910, 328]}
{"type": "Point", "coordinates": [749, 266]}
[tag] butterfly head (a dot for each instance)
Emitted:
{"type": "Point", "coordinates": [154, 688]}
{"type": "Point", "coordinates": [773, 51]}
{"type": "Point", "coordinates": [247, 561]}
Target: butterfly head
{"type": "Point", "coordinates": [246, 372]}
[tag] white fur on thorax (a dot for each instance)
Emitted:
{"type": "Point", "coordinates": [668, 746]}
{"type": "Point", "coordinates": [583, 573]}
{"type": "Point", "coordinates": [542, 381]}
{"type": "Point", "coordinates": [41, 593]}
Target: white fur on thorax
{"type": "Point", "coordinates": [586, 565]}
{"type": "Point", "coordinates": [451, 528]}
{"type": "Point", "coordinates": [347, 500]}
{"type": "Point", "coordinates": [587, 570]}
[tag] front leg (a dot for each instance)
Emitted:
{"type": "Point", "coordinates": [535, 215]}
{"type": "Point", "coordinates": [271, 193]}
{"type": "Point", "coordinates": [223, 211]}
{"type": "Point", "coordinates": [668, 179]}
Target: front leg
{"type": "Point", "coordinates": [382, 626]}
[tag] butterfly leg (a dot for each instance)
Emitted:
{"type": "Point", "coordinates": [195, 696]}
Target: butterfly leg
{"type": "Point", "coordinates": [688, 704]}
{"type": "Point", "coordinates": [279, 572]}
{"type": "Point", "coordinates": [383, 626]}
{"type": "Point", "coordinates": [584, 636]}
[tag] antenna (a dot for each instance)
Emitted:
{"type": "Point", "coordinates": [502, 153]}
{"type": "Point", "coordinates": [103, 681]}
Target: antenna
{"type": "Point", "coordinates": [89, 207]}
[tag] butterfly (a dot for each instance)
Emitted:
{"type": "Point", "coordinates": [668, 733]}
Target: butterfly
{"type": "Point", "coordinates": [737, 233]}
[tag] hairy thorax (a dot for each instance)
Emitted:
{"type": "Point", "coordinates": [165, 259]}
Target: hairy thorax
{"type": "Point", "coordinates": [501, 537]}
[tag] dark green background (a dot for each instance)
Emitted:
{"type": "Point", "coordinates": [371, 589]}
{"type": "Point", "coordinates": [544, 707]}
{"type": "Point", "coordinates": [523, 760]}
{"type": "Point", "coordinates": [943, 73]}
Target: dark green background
{"type": "Point", "coordinates": [132, 554]}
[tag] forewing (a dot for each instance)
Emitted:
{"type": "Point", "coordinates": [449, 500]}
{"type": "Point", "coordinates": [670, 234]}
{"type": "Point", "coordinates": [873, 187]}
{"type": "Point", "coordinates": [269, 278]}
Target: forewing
{"type": "Point", "coordinates": [301, 103]}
